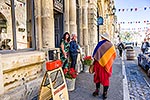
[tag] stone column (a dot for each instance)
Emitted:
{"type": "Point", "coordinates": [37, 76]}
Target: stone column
{"type": "Point", "coordinates": [72, 16]}
{"type": "Point", "coordinates": [48, 24]}
{"type": "Point", "coordinates": [92, 33]}
{"type": "Point", "coordinates": [85, 25]}
{"type": "Point", "coordinates": [66, 16]}
{"type": "Point", "coordinates": [1, 77]}
{"type": "Point", "coordinates": [38, 23]}
{"type": "Point", "coordinates": [80, 20]}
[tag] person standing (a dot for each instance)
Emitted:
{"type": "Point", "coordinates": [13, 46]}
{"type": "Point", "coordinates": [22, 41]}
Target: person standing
{"type": "Point", "coordinates": [74, 49]}
{"type": "Point", "coordinates": [144, 46]}
{"type": "Point", "coordinates": [136, 44]}
{"type": "Point", "coordinates": [121, 47]}
{"type": "Point", "coordinates": [104, 55]}
{"type": "Point", "coordinates": [64, 50]}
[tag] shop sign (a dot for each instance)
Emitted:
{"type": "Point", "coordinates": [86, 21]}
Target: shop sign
{"type": "Point", "coordinates": [100, 20]}
{"type": "Point", "coordinates": [58, 5]}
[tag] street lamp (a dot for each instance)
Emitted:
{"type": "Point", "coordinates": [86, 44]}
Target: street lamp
{"type": "Point", "coordinates": [113, 8]}
{"type": "Point", "coordinates": [113, 12]}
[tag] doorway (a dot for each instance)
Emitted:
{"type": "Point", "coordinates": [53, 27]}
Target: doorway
{"type": "Point", "coordinates": [58, 24]}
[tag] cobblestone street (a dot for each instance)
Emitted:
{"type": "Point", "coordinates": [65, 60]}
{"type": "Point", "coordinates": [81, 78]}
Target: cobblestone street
{"type": "Point", "coordinates": [137, 84]}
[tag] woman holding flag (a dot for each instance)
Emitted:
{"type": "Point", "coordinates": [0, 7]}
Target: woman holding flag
{"type": "Point", "coordinates": [104, 54]}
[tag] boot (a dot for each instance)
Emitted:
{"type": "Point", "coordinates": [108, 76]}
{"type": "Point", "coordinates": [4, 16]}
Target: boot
{"type": "Point", "coordinates": [105, 92]}
{"type": "Point", "coordinates": [104, 95]}
{"type": "Point", "coordinates": [96, 92]}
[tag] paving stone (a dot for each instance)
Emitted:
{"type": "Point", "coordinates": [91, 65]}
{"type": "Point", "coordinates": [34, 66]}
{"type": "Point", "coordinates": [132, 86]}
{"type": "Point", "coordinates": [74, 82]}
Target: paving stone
{"type": "Point", "coordinates": [137, 86]}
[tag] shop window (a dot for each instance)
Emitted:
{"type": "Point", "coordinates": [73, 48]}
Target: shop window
{"type": "Point", "coordinates": [5, 27]}
{"type": "Point", "coordinates": [16, 25]}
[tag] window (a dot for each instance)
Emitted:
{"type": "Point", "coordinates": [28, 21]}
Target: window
{"type": "Point", "coordinates": [16, 25]}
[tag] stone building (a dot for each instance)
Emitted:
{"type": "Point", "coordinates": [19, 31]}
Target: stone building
{"type": "Point", "coordinates": [106, 9]}
{"type": "Point", "coordinates": [30, 28]}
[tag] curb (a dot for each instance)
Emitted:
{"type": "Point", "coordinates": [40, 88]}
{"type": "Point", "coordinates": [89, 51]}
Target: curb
{"type": "Point", "coordinates": [125, 83]}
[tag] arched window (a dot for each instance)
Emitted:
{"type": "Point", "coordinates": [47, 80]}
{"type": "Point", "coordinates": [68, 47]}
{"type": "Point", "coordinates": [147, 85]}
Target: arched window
{"type": "Point", "coordinates": [19, 25]}
{"type": "Point", "coordinates": [3, 31]}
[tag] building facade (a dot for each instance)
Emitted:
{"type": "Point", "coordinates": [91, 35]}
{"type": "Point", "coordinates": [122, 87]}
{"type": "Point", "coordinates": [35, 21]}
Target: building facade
{"type": "Point", "coordinates": [30, 28]}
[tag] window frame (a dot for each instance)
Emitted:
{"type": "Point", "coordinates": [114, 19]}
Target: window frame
{"type": "Point", "coordinates": [14, 30]}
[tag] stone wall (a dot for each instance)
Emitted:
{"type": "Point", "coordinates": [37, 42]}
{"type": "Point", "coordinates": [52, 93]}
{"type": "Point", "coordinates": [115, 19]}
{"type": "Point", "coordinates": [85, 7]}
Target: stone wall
{"type": "Point", "coordinates": [22, 74]}
{"type": "Point", "coordinates": [26, 91]}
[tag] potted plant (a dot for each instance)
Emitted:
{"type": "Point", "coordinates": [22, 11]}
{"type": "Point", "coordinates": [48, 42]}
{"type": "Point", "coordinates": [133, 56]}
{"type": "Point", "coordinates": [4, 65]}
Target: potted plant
{"type": "Point", "coordinates": [87, 61]}
{"type": "Point", "coordinates": [70, 75]}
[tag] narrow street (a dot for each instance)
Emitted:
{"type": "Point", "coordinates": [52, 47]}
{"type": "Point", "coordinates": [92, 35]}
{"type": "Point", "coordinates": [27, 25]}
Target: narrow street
{"type": "Point", "coordinates": [40, 40]}
{"type": "Point", "coordinates": [138, 82]}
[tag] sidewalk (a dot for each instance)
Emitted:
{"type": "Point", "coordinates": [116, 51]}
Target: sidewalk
{"type": "Point", "coordinates": [85, 85]}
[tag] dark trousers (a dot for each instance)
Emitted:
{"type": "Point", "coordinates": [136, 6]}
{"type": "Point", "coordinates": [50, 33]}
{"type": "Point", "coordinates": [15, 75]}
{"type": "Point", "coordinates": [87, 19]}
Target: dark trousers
{"type": "Point", "coordinates": [120, 53]}
{"type": "Point", "coordinates": [143, 50]}
{"type": "Point", "coordinates": [105, 89]}
{"type": "Point", "coordinates": [73, 61]}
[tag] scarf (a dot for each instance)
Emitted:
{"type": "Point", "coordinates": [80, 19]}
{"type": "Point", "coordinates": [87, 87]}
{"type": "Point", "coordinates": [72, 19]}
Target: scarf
{"type": "Point", "coordinates": [105, 54]}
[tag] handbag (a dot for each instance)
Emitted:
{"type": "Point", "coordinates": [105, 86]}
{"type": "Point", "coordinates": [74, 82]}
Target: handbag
{"type": "Point", "coordinates": [91, 69]}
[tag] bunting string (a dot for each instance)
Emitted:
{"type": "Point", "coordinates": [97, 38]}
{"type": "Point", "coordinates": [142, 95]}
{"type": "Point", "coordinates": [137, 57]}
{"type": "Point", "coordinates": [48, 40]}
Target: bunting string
{"type": "Point", "coordinates": [139, 28]}
{"type": "Point", "coordinates": [134, 30]}
{"type": "Point", "coordinates": [134, 22]}
{"type": "Point", "coordinates": [132, 9]}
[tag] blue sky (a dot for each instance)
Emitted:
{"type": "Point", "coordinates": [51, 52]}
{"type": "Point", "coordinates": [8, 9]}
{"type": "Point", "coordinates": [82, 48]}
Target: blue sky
{"type": "Point", "coordinates": [130, 16]}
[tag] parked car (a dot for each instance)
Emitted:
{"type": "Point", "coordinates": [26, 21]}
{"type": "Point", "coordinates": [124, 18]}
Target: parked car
{"type": "Point", "coordinates": [148, 73]}
{"type": "Point", "coordinates": [144, 62]}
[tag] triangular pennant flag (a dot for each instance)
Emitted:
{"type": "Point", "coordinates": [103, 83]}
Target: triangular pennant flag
{"type": "Point", "coordinates": [145, 8]}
